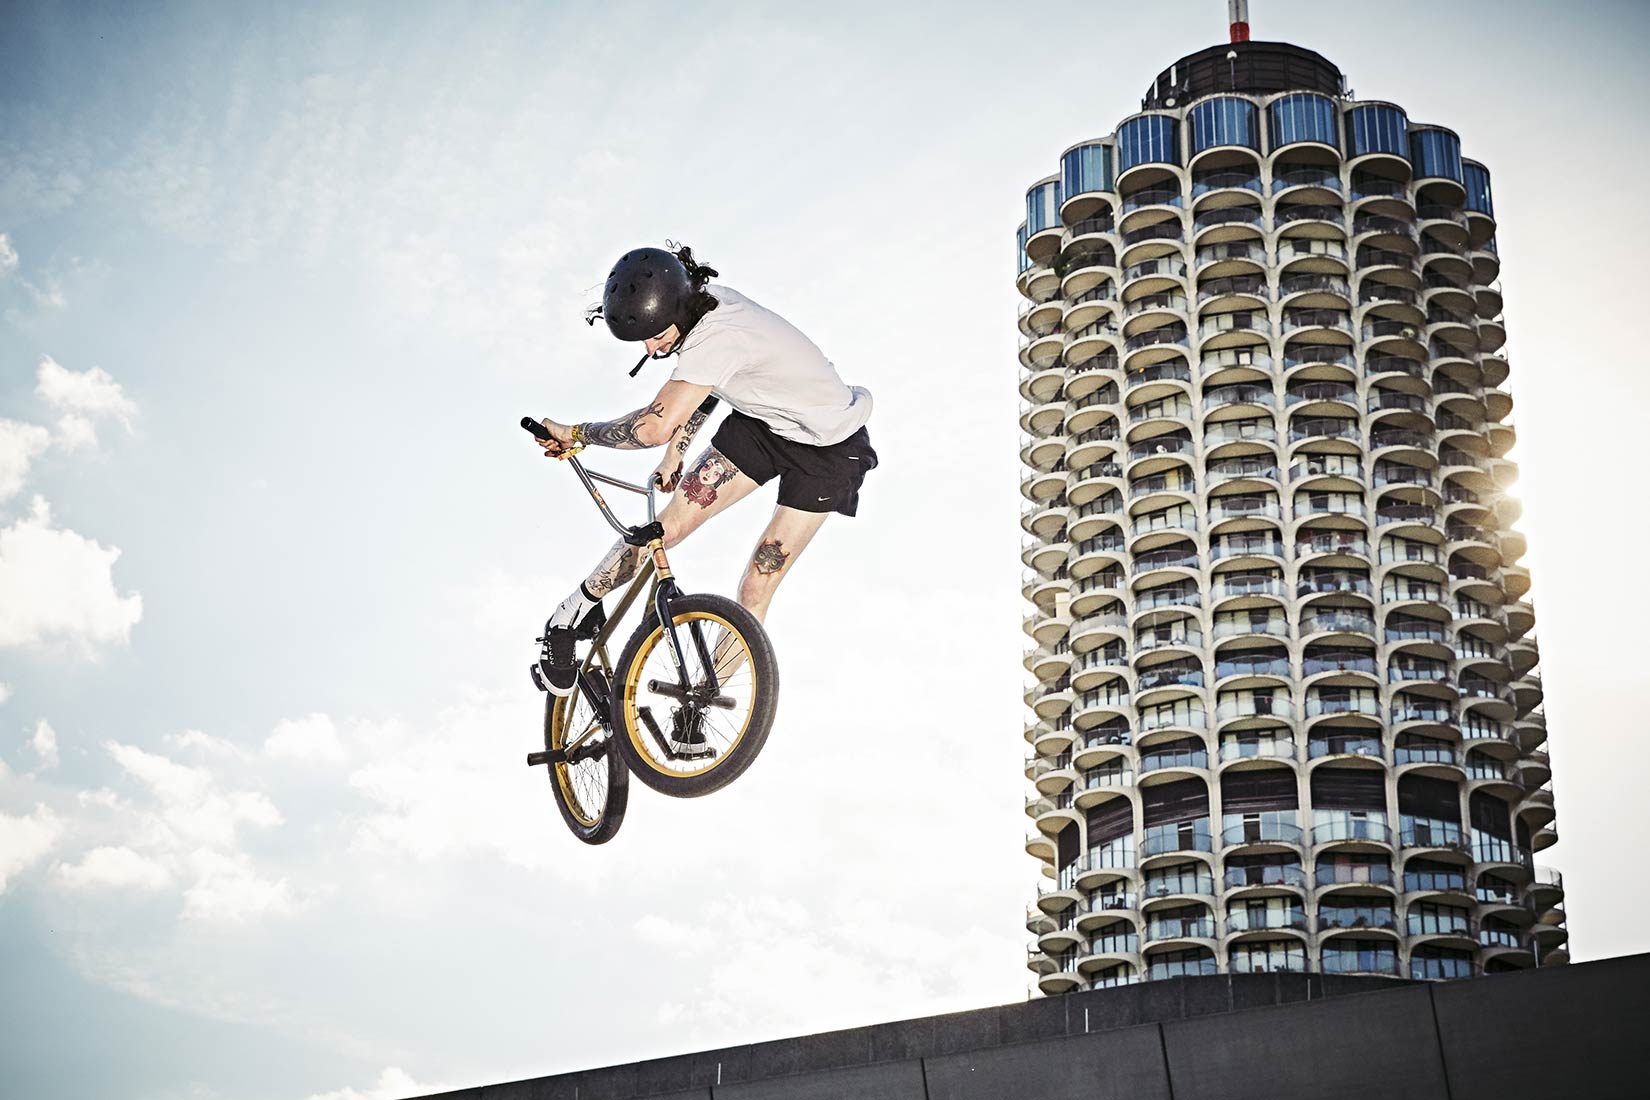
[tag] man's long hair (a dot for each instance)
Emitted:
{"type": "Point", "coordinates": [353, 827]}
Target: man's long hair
{"type": "Point", "coordinates": [703, 301]}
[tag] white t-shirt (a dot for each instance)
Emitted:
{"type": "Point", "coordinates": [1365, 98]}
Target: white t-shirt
{"type": "Point", "coordinates": [763, 366]}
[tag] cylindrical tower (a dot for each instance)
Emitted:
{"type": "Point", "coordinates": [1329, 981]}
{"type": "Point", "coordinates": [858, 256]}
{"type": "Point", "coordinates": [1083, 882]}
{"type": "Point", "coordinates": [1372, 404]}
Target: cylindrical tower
{"type": "Point", "coordinates": [1285, 713]}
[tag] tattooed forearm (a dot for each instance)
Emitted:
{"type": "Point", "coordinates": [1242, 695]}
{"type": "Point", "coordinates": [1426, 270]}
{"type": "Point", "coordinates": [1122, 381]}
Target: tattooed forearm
{"type": "Point", "coordinates": [769, 557]}
{"type": "Point", "coordinates": [617, 568]}
{"type": "Point", "coordinates": [623, 433]}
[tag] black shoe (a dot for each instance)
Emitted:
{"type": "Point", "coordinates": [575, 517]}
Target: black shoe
{"type": "Point", "coordinates": [558, 670]}
{"type": "Point", "coordinates": [687, 733]}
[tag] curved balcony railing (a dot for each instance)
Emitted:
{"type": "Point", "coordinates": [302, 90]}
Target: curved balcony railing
{"type": "Point", "coordinates": [1425, 833]}
{"type": "Point", "coordinates": [1353, 828]}
{"type": "Point", "coordinates": [1239, 432]}
{"type": "Point", "coordinates": [1180, 758]}
{"type": "Point", "coordinates": [1170, 230]}
{"type": "Point", "coordinates": [1223, 470]}
{"type": "Point", "coordinates": [1181, 928]}
{"type": "Point", "coordinates": [1394, 364]}
{"type": "Point", "coordinates": [1341, 661]}
{"type": "Point", "coordinates": [1162, 840]}
{"type": "Point", "coordinates": [1285, 215]}
{"type": "Point", "coordinates": [1249, 665]}
{"type": "Point", "coordinates": [1308, 282]}
{"type": "Point", "coordinates": [1273, 875]}
{"type": "Point", "coordinates": [1228, 215]}
{"type": "Point", "coordinates": [1251, 285]}
{"type": "Point", "coordinates": [1174, 334]}
{"type": "Point", "coordinates": [1362, 960]}
{"type": "Point", "coordinates": [1261, 832]}
{"type": "Point", "coordinates": [1337, 918]}
{"type": "Point", "coordinates": [1203, 183]}
{"type": "Point", "coordinates": [1267, 919]}
{"type": "Point", "coordinates": [1239, 748]}
{"type": "Point", "coordinates": [1241, 393]}
{"type": "Point", "coordinates": [1346, 744]}
{"type": "Point", "coordinates": [1352, 874]}
{"type": "Point", "coordinates": [1307, 177]}
{"type": "Point", "coordinates": [1346, 622]}
{"type": "Point", "coordinates": [1388, 226]}
{"type": "Point", "coordinates": [1153, 196]}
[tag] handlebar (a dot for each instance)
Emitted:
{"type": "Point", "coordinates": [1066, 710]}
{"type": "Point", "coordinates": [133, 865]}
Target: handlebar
{"type": "Point", "coordinates": [636, 536]}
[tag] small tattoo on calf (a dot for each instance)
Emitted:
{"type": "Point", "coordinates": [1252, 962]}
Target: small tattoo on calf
{"type": "Point", "coordinates": [769, 557]}
{"type": "Point", "coordinates": [710, 473]}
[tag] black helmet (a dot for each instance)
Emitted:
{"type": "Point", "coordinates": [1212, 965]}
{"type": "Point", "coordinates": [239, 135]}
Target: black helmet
{"type": "Point", "coordinates": [648, 290]}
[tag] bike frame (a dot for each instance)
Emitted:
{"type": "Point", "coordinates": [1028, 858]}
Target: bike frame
{"type": "Point", "coordinates": [656, 569]}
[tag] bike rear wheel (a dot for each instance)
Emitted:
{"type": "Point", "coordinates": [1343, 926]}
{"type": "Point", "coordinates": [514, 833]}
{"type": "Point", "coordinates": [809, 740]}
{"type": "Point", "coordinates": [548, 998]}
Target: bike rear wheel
{"type": "Point", "coordinates": [656, 718]}
{"type": "Point", "coordinates": [592, 784]}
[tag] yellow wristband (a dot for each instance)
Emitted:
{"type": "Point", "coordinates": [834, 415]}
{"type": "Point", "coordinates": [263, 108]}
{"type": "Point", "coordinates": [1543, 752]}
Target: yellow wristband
{"type": "Point", "coordinates": [577, 433]}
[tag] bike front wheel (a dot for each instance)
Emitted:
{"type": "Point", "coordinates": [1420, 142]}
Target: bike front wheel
{"type": "Point", "coordinates": [591, 783]}
{"type": "Point", "coordinates": [687, 741]}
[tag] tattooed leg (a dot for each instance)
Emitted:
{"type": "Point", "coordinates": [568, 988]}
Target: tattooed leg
{"type": "Point", "coordinates": [787, 535]}
{"type": "Point", "coordinates": [617, 568]}
{"type": "Point", "coordinates": [712, 471]}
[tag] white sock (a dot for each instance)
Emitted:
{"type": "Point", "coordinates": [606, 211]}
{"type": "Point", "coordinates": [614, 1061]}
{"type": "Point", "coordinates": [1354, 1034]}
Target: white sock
{"type": "Point", "coordinates": [572, 609]}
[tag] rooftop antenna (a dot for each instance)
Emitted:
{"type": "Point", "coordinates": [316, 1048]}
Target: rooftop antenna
{"type": "Point", "coordinates": [1239, 12]}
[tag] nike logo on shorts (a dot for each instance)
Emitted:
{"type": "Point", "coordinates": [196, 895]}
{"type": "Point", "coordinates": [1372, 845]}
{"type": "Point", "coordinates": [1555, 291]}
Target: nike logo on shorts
{"type": "Point", "coordinates": [822, 500]}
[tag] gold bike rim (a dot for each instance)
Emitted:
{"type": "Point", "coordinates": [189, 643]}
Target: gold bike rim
{"type": "Point", "coordinates": [559, 721]}
{"type": "Point", "coordinates": [633, 677]}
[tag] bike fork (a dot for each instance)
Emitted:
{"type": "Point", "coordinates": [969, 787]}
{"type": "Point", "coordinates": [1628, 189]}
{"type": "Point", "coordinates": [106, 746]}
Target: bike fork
{"type": "Point", "coordinates": [663, 593]}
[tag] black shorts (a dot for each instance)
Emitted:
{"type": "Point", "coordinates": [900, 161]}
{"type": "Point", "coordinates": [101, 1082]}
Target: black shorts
{"type": "Point", "coordinates": [811, 479]}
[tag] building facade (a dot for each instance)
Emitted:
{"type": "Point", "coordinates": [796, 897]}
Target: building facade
{"type": "Point", "coordinates": [1285, 712]}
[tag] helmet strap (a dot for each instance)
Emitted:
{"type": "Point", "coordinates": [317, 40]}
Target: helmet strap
{"type": "Point", "coordinates": [681, 335]}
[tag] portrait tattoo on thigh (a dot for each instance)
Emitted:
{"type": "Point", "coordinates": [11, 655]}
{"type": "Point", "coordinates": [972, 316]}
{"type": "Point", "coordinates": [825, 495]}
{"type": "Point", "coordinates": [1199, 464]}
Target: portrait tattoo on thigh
{"type": "Point", "coordinates": [769, 557]}
{"type": "Point", "coordinates": [711, 473]}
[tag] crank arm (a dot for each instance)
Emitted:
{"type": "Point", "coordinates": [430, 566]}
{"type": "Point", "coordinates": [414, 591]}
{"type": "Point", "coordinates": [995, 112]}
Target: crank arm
{"type": "Point", "coordinates": [671, 691]}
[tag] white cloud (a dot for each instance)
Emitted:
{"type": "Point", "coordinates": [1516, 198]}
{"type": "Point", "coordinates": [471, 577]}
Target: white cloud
{"type": "Point", "coordinates": [8, 256]}
{"type": "Point", "coordinates": [312, 739]}
{"type": "Point", "coordinates": [114, 868]}
{"type": "Point", "coordinates": [20, 445]}
{"type": "Point", "coordinates": [24, 840]}
{"type": "Point", "coordinates": [392, 1084]}
{"type": "Point", "coordinates": [226, 888]}
{"type": "Point", "coordinates": [5, 692]}
{"type": "Point", "coordinates": [201, 741]}
{"type": "Point", "coordinates": [44, 744]}
{"type": "Point", "coordinates": [58, 586]}
{"type": "Point", "coordinates": [80, 398]}
{"type": "Point", "coordinates": [193, 811]}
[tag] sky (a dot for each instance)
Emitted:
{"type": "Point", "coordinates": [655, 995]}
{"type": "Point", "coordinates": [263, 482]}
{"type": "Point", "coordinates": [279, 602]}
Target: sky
{"type": "Point", "coordinates": [276, 284]}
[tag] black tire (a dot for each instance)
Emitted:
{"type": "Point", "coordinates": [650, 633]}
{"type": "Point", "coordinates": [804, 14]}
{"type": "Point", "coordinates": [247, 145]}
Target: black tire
{"type": "Point", "coordinates": [729, 765]}
{"type": "Point", "coordinates": [591, 824]}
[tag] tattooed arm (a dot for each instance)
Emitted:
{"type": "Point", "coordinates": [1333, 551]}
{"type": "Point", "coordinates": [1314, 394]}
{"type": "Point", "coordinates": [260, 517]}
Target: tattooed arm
{"type": "Point", "coordinates": [669, 473]}
{"type": "Point", "coordinates": [653, 425]}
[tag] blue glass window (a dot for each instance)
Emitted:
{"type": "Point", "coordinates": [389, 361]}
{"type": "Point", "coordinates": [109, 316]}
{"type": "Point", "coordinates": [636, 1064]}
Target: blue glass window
{"type": "Point", "coordinates": [1377, 128]}
{"type": "Point", "coordinates": [1042, 207]}
{"type": "Point", "coordinates": [1149, 139]}
{"type": "Point", "coordinates": [1436, 153]}
{"type": "Point", "coordinates": [1478, 188]}
{"type": "Point", "coordinates": [1086, 168]}
{"type": "Point", "coordinates": [1020, 257]}
{"type": "Point", "coordinates": [1224, 121]}
{"type": "Point", "coordinates": [1303, 117]}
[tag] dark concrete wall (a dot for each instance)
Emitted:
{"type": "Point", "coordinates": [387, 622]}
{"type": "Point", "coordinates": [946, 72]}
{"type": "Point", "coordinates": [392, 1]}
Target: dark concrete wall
{"type": "Point", "coordinates": [1561, 1032]}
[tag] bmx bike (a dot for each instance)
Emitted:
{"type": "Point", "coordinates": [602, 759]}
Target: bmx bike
{"type": "Point", "coordinates": [687, 705]}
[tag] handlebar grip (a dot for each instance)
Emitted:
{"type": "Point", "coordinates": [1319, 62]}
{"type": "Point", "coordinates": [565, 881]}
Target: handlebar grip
{"type": "Point", "coordinates": [539, 431]}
